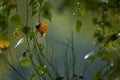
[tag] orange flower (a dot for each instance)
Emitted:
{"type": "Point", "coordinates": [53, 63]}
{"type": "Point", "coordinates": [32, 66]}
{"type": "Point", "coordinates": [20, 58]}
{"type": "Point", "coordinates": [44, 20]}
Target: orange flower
{"type": "Point", "coordinates": [42, 29]}
{"type": "Point", "coordinates": [4, 44]}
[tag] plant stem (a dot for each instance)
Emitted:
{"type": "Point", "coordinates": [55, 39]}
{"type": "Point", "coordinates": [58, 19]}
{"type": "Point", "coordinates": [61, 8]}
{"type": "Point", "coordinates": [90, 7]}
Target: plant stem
{"type": "Point", "coordinates": [73, 53]}
{"type": "Point", "coordinates": [13, 67]}
{"type": "Point", "coordinates": [27, 12]}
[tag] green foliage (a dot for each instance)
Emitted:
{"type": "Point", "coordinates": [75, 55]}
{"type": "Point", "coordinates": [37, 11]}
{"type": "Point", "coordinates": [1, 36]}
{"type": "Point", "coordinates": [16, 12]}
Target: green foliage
{"type": "Point", "coordinates": [95, 21]}
{"type": "Point", "coordinates": [40, 2]}
{"type": "Point", "coordinates": [46, 10]}
{"type": "Point", "coordinates": [33, 5]}
{"type": "Point", "coordinates": [47, 15]}
{"type": "Point", "coordinates": [41, 47]}
{"type": "Point", "coordinates": [47, 6]}
{"type": "Point", "coordinates": [25, 63]}
{"type": "Point", "coordinates": [26, 30]}
{"type": "Point", "coordinates": [97, 75]}
{"type": "Point", "coordinates": [3, 22]}
{"type": "Point", "coordinates": [3, 36]}
{"type": "Point", "coordinates": [33, 76]}
{"type": "Point", "coordinates": [113, 37]}
{"type": "Point", "coordinates": [113, 76]}
{"type": "Point", "coordinates": [78, 25]}
{"type": "Point", "coordinates": [16, 19]}
{"type": "Point", "coordinates": [106, 35]}
{"type": "Point", "coordinates": [42, 69]}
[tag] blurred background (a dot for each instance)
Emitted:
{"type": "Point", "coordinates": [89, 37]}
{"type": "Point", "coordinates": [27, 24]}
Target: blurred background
{"type": "Point", "coordinates": [59, 31]}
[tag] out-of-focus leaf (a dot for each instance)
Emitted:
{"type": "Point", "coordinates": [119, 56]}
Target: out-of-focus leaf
{"type": "Point", "coordinates": [97, 33]}
{"type": "Point", "coordinates": [11, 3]}
{"type": "Point", "coordinates": [33, 13]}
{"type": "Point", "coordinates": [95, 21]}
{"type": "Point", "coordinates": [30, 35]}
{"type": "Point", "coordinates": [24, 53]}
{"type": "Point", "coordinates": [3, 22]}
{"type": "Point", "coordinates": [108, 57]}
{"type": "Point", "coordinates": [107, 23]}
{"type": "Point", "coordinates": [97, 75]}
{"type": "Point", "coordinates": [26, 29]}
{"type": "Point", "coordinates": [105, 18]}
{"type": "Point", "coordinates": [117, 64]}
{"type": "Point", "coordinates": [47, 15]}
{"type": "Point", "coordinates": [100, 39]}
{"type": "Point", "coordinates": [114, 76]}
{"type": "Point", "coordinates": [40, 2]}
{"type": "Point", "coordinates": [31, 2]}
{"type": "Point", "coordinates": [78, 26]}
{"type": "Point", "coordinates": [3, 36]}
{"type": "Point", "coordinates": [46, 10]}
{"type": "Point", "coordinates": [25, 63]}
{"type": "Point", "coordinates": [33, 5]}
{"type": "Point", "coordinates": [19, 28]}
{"type": "Point", "coordinates": [113, 37]}
{"type": "Point", "coordinates": [33, 76]}
{"type": "Point", "coordinates": [30, 56]}
{"type": "Point", "coordinates": [16, 19]}
{"type": "Point", "coordinates": [42, 69]}
{"type": "Point", "coordinates": [41, 47]}
{"type": "Point", "coordinates": [82, 12]}
{"type": "Point", "coordinates": [47, 6]}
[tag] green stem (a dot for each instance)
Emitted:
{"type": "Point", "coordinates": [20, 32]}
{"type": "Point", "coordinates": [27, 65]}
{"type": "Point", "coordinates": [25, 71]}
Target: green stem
{"type": "Point", "coordinates": [13, 67]}
{"type": "Point", "coordinates": [73, 54]}
{"type": "Point", "coordinates": [27, 12]}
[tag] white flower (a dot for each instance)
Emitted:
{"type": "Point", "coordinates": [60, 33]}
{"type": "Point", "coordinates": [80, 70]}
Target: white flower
{"type": "Point", "coordinates": [73, 14]}
{"type": "Point", "coordinates": [89, 54]}
{"type": "Point", "coordinates": [106, 1]}
{"type": "Point", "coordinates": [118, 34]}
{"type": "Point", "coordinates": [19, 42]}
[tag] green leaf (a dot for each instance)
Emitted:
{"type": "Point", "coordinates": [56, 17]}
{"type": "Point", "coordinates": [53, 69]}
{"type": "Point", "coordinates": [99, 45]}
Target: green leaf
{"type": "Point", "coordinates": [25, 63]}
{"type": "Point", "coordinates": [106, 23]}
{"type": "Point", "coordinates": [100, 39]}
{"type": "Point", "coordinates": [97, 33]}
{"type": "Point", "coordinates": [114, 75]}
{"type": "Point", "coordinates": [3, 36]}
{"type": "Point", "coordinates": [41, 47]}
{"type": "Point", "coordinates": [47, 15]}
{"type": "Point", "coordinates": [31, 2]}
{"type": "Point", "coordinates": [30, 35]}
{"type": "Point", "coordinates": [47, 6]}
{"type": "Point", "coordinates": [97, 75]}
{"type": "Point", "coordinates": [42, 69]}
{"type": "Point", "coordinates": [95, 21]}
{"type": "Point", "coordinates": [82, 12]}
{"type": "Point", "coordinates": [78, 26]}
{"type": "Point", "coordinates": [33, 76]}
{"type": "Point", "coordinates": [33, 13]}
{"type": "Point", "coordinates": [19, 27]}
{"type": "Point", "coordinates": [16, 19]}
{"type": "Point", "coordinates": [24, 53]}
{"type": "Point", "coordinates": [33, 5]}
{"type": "Point", "coordinates": [113, 37]}
{"type": "Point", "coordinates": [3, 22]}
{"type": "Point", "coordinates": [105, 17]}
{"type": "Point", "coordinates": [26, 29]}
{"type": "Point", "coordinates": [40, 2]}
